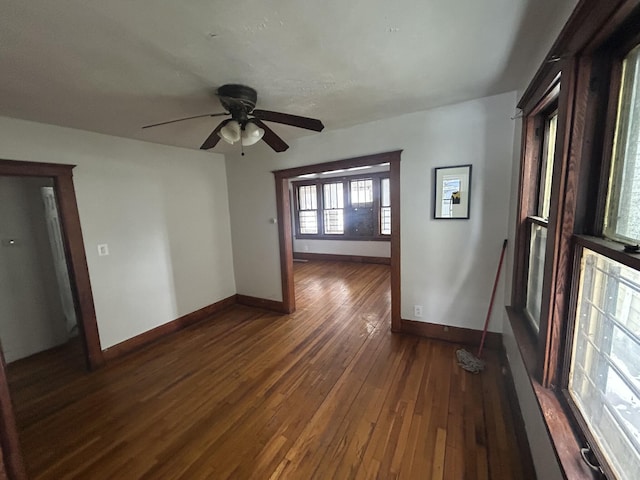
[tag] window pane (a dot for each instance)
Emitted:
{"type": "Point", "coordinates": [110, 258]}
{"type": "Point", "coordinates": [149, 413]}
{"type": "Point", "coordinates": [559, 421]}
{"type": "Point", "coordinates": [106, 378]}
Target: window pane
{"type": "Point", "coordinates": [362, 192]}
{"type": "Point", "coordinates": [546, 170]}
{"type": "Point", "coordinates": [385, 220]}
{"type": "Point", "coordinates": [307, 197]}
{"type": "Point", "coordinates": [308, 222]}
{"type": "Point", "coordinates": [537, 248]}
{"type": "Point", "coordinates": [333, 195]}
{"type": "Point", "coordinates": [385, 196]}
{"type": "Point", "coordinates": [334, 222]}
{"type": "Point", "coordinates": [622, 221]}
{"type": "Point", "coordinates": [604, 377]}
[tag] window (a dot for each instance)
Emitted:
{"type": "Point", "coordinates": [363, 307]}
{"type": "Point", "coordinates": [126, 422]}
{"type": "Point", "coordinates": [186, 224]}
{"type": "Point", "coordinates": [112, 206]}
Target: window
{"type": "Point", "coordinates": [604, 378]}
{"type": "Point", "coordinates": [538, 209]}
{"type": "Point", "coordinates": [623, 216]}
{"type": "Point", "coordinates": [577, 271]}
{"type": "Point", "coordinates": [604, 366]}
{"type": "Point", "coordinates": [333, 208]}
{"type": "Point", "coordinates": [307, 209]}
{"type": "Point", "coordinates": [385, 207]}
{"type": "Point", "coordinates": [361, 216]}
{"type": "Point", "coordinates": [346, 208]}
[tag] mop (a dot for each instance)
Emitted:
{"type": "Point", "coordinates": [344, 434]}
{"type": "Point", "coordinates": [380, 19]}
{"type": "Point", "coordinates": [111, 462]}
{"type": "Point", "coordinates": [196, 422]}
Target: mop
{"type": "Point", "coordinates": [466, 359]}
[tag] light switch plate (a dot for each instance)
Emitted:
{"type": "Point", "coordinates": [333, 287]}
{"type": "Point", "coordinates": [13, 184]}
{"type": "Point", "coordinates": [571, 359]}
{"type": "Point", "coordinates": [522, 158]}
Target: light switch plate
{"type": "Point", "coordinates": [103, 249]}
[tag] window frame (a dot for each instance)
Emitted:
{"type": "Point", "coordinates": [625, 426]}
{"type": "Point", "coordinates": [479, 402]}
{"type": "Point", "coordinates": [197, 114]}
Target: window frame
{"type": "Point", "coordinates": [346, 189]}
{"type": "Point", "coordinates": [530, 199]}
{"type": "Point", "coordinates": [587, 55]}
{"type": "Point", "coordinates": [298, 209]}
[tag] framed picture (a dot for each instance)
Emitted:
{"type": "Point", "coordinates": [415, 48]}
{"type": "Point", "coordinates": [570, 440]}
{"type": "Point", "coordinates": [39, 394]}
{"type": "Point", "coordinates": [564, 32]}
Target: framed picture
{"type": "Point", "coordinates": [452, 192]}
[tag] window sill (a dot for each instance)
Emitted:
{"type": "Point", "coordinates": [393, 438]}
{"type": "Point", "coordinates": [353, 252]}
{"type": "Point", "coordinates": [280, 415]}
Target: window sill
{"type": "Point", "coordinates": [564, 440]}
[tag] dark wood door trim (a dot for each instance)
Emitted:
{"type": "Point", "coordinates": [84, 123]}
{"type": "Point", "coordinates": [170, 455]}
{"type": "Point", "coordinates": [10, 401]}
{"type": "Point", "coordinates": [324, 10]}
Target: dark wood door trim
{"type": "Point", "coordinates": [74, 248]}
{"type": "Point", "coordinates": [283, 205]}
{"type": "Point", "coordinates": [13, 462]}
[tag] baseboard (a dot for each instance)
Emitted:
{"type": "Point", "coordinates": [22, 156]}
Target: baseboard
{"type": "Point", "coordinates": [518, 419]}
{"type": "Point", "coordinates": [256, 302]}
{"type": "Point", "coordinates": [448, 333]}
{"type": "Point", "coordinates": [139, 341]}
{"type": "Point", "coordinates": [341, 258]}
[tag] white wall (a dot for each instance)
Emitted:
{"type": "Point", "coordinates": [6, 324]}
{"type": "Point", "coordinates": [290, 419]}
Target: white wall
{"type": "Point", "coordinates": [447, 265]}
{"type": "Point", "coordinates": [31, 315]}
{"type": "Point", "coordinates": [344, 247]}
{"type": "Point", "coordinates": [162, 210]}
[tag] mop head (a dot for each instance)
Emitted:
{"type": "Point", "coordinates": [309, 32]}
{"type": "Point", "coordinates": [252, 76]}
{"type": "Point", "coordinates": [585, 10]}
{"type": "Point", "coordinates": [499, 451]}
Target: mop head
{"type": "Point", "coordinates": [469, 362]}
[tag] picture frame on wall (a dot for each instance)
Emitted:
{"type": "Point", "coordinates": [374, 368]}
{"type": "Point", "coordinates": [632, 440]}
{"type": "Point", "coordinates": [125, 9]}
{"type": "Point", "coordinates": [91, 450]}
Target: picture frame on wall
{"type": "Point", "coordinates": [452, 192]}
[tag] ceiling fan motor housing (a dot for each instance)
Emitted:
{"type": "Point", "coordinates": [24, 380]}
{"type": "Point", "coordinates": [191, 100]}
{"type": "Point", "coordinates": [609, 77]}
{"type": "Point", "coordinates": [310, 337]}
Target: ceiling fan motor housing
{"type": "Point", "coordinates": [239, 100]}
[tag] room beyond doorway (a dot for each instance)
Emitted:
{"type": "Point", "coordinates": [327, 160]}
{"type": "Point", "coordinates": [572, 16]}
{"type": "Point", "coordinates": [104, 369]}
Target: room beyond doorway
{"type": "Point", "coordinates": [285, 232]}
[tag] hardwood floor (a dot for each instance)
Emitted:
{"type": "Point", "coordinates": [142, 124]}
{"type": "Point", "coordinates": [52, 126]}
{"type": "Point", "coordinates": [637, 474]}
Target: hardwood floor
{"type": "Point", "coordinates": [325, 393]}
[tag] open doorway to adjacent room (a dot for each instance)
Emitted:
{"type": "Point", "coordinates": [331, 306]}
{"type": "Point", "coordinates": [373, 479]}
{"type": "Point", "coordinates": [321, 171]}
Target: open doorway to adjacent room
{"type": "Point", "coordinates": [48, 325]}
{"type": "Point", "coordinates": [347, 212]}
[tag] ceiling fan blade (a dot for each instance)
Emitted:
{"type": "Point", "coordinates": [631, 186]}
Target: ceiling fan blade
{"type": "Point", "coordinates": [186, 118]}
{"type": "Point", "coordinates": [270, 137]}
{"type": "Point", "coordinates": [213, 139]}
{"type": "Point", "coordinates": [288, 119]}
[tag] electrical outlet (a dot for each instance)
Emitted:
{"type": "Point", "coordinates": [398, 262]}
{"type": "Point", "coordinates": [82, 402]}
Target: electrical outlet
{"type": "Point", "coordinates": [417, 311]}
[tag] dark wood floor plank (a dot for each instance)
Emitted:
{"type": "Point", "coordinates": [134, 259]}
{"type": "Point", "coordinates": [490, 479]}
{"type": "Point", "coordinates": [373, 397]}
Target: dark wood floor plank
{"type": "Point", "coordinates": [327, 392]}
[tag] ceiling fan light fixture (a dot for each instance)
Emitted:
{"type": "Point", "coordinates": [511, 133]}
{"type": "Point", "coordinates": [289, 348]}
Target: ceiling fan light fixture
{"type": "Point", "coordinates": [230, 133]}
{"type": "Point", "coordinates": [251, 134]}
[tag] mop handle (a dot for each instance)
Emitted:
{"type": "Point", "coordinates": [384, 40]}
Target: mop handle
{"type": "Point", "coordinates": [493, 295]}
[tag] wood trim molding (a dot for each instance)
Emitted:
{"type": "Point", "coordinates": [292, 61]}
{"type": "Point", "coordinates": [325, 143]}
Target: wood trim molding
{"type": "Point", "coordinates": [362, 161]}
{"type": "Point", "coordinates": [341, 258]}
{"type": "Point", "coordinates": [74, 249]}
{"type": "Point", "coordinates": [123, 348]}
{"type": "Point", "coordinates": [559, 231]}
{"type": "Point", "coordinates": [13, 463]}
{"type": "Point", "coordinates": [19, 168]}
{"type": "Point", "coordinates": [394, 187]}
{"type": "Point", "coordinates": [448, 333]}
{"type": "Point", "coordinates": [285, 236]}
{"type": "Point", "coordinates": [283, 205]}
{"type": "Point", "coordinates": [589, 23]}
{"type": "Point", "coordinates": [264, 303]}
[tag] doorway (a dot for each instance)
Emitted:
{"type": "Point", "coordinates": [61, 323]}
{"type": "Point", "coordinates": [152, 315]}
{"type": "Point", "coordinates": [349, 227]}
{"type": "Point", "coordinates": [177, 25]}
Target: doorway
{"type": "Point", "coordinates": [36, 304]}
{"type": "Point", "coordinates": [73, 246]}
{"type": "Point", "coordinates": [285, 233]}
{"type": "Point", "coordinates": [82, 298]}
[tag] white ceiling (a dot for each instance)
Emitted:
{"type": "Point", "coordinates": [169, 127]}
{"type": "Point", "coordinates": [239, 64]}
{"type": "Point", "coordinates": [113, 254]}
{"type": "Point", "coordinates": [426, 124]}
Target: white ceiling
{"type": "Point", "coordinates": [112, 66]}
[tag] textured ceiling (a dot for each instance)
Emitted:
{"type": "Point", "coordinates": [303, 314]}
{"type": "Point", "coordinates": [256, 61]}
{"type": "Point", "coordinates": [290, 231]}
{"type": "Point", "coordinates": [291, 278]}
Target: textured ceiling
{"type": "Point", "coordinates": [113, 66]}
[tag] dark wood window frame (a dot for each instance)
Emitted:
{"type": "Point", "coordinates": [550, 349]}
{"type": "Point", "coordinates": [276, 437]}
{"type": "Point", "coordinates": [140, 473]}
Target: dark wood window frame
{"type": "Point", "coordinates": [586, 59]}
{"type": "Point", "coordinates": [530, 194]}
{"type": "Point", "coordinates": [345, 180]}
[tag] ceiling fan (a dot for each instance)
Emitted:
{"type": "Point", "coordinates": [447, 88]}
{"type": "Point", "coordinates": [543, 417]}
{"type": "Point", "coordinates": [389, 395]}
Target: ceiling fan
{"type": "Point", "coordinates": [247, 123]}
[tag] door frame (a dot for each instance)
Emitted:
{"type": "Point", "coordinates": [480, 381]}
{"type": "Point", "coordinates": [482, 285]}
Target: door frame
{"type": "Point", "coordinates": [73, 248]}
{"type": "Point", "coordinates": [13, 461]}
{"type": "Point", "coordinates": [285, 233]}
